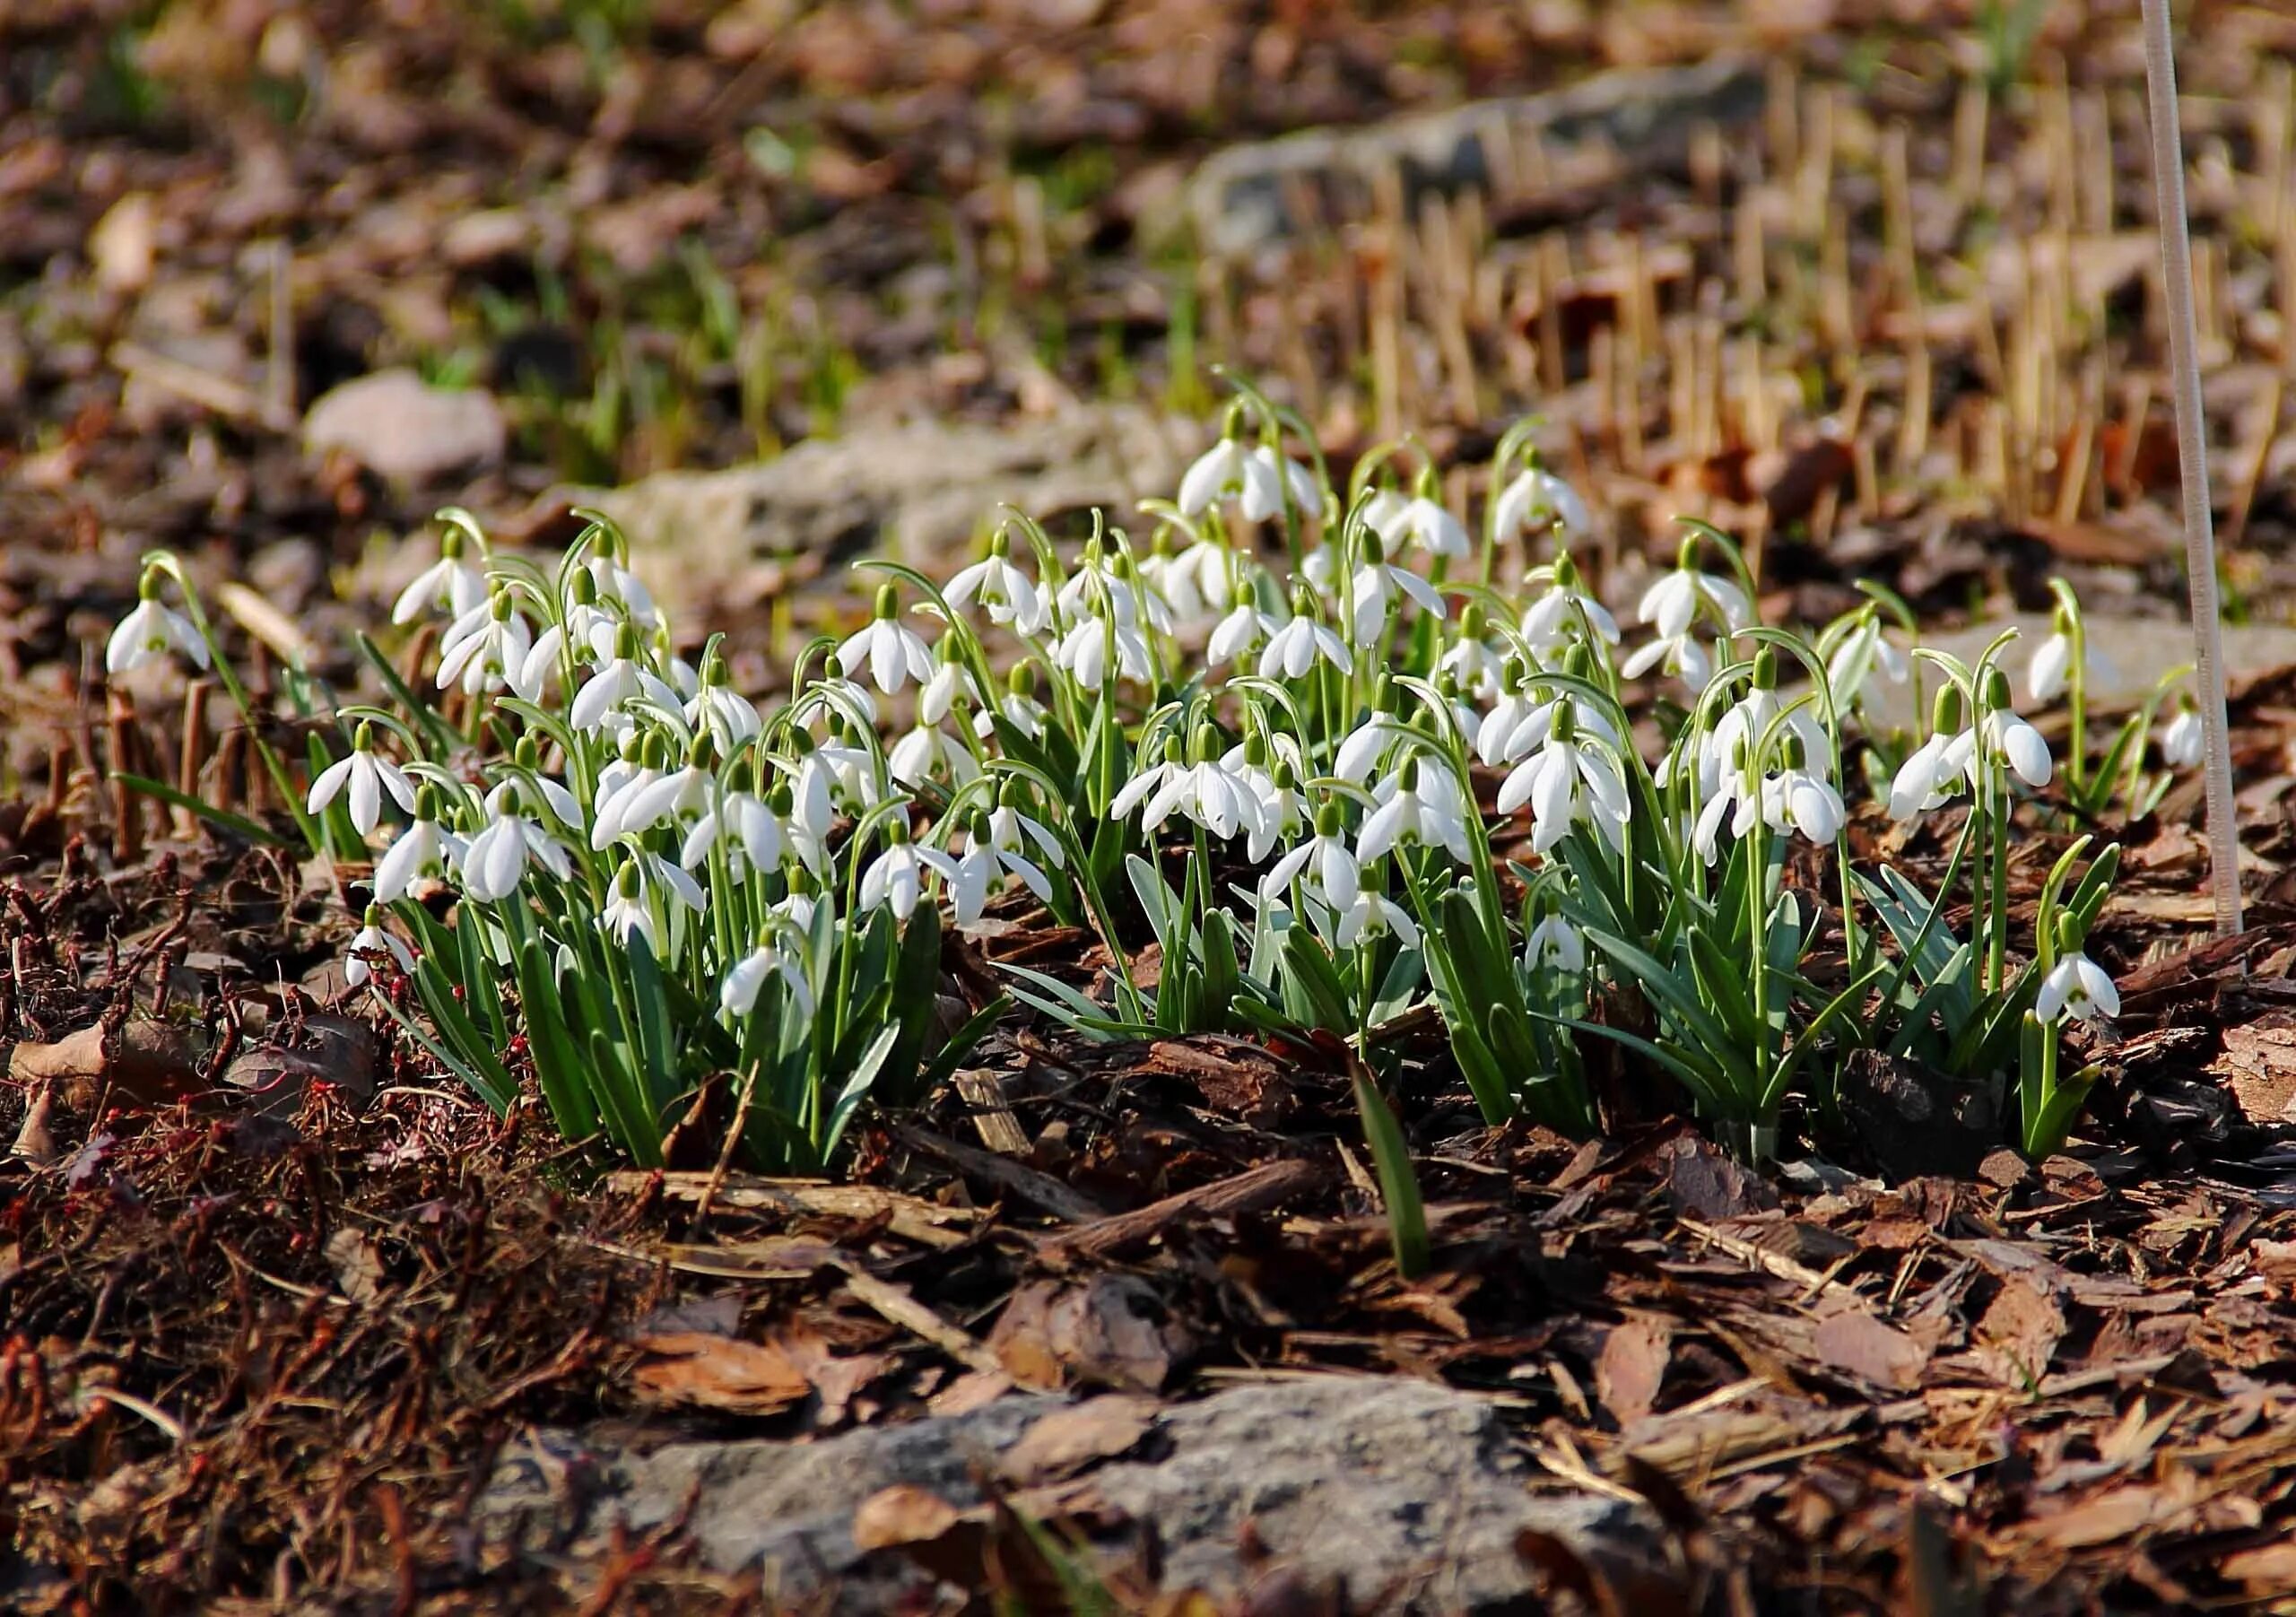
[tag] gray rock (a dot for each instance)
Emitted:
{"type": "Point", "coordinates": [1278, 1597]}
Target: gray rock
{"type": "Point", "coordinates": [397, 425]}
{"type": "Point", "coordinates": [1243, 197]}
{"type": "Point", "coordinates": [1410, 1495]}
{"type": "Point", "coordinates": [916, 492]}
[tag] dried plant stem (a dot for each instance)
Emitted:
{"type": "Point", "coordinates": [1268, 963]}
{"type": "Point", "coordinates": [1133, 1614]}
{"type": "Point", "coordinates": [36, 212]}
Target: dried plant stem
{"type": "Point", "coordinates": [2200, 543]}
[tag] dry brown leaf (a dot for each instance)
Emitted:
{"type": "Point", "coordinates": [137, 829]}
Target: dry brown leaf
{"type": "Point", "coordinates": [358, 1266]}
{"type": "Point", "coordinates": [148, 1061]}
{"type": "Point", "coordinates": [719, 1372]}
{"type": "Point", "coordinates": [1110, 1331]}
{"type": "Point", "coordinates": [902, 1514]}
{"type": "Point", "coordinates": [2019, 1334]}
{"type": "Point", "coordinates": [1870, 1348]}
{"type": "Point", "coordinates": [2267, 1569]}
{"type": "Point", "coordinates": [1067, 1440]}
{"type": "Point", "coordinates": [1632, 1365]}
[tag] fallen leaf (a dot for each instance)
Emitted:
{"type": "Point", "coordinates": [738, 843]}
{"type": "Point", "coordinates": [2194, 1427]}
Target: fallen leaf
{"type": "Point", "coordinates": [720, 1372]}
{"type": "Point", "coordinates": [147, 1061]}
{"type": "Point", "coordinates": [1111, 1331]}
{"type": "Point", "coordinates": [358, 1266]}
{"type": "Point", "coordinates": [2019, 1334]}
{"type": "Point", "coordinates": [2267, 1569]}
{"type": "Point", "coordinates": [901, 1515]}
{"type": "Point", "coordinates": [1870, 1348]}
{"type": "Point", "coordinates": [1632, 1367]}
{"type": "Point", "coordinates": [1067, 1440]}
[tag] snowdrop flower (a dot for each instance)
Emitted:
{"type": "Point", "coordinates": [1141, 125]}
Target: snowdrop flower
{"type": "Point", "coordinates": [616, 582]}
{"type": "Point", "coordinates": [371, 943]}
{"type": "Point", "coordinates": [1672, 604]}
{"type": "Point", "coordinates": [1862, 653]}
{"type": "Point", "coordinates": [952, 682]}
{"type": "Point", "coordinates": [894, 653]}
{"type": "Point", "coordinates": [970, 875]}
{"type": "Point", "coordinates": [495, 861]}
{"type": "Point", "coordinates": [678, 795]}
{"type": "Point", "coordinates": [1083, 652]}
{"type": "Point", "coordinates": [1413, 814]}
{"type": "Point", "coordinates": [150, 631]}
{"type": "Point", "coordinates": [2077, 986]}
{"type": "Point", "coordinates": [1009, 595]}
{"type": "Point", "coordinates": [461, 584]}
{"type": "Point", "coordinates": [621, 785]}
{"type": "Point", "coordinates": [1292, 649]}
{"type": "Point", "coordinates": [1105, 586]}
{"type": "Point", "coordinates": [1555, 945]}
{"type": "Point", "coordinates": [1378, 585]}
{"type": "Point", "coordinates": [1565, 782]}
{"type": "Point", "coordinates": [1801, 799]}
{"type": "Point", "coordinates": [1324, 863]}
{"type": "Point", "coordinates": [2011, 739]}
{"type": "Point", "coordinates": [423, 849]}
{"type": "Point", "coordinates": [1173, 580]}
{"type": "Point", "coordinates": [728, 717]}
{"type": "Point", "coordinates": [1254, 478]}
{"type": "Point", "coordinates": [621, 682]}
{"type": "Point", "coordinates": [737, 996]}
{"type": "Point", "coordinates": [1282, 810]}
{"type": "Point", "coordinates": [896, 877]}
{"type": "Point", "coordinates": [1538, 499]}
{"type": "Point", "coordinates": [1519, 722]}
{"type": "Point", "coordinates": [1368, 915]}
{"type": "Point", "coordinates": [1748, 724]}
{"type": "Point", "coordinates": [757, 841]}
{"type": "Point", "coordinates": [484, 646]}
{"type": "Point", "coordinates": [1421, 520]}
{"type": "Point", "coordinates": [1235, 634]}
{"type": "Point", "coordinates": [1007, 828]}
{"type": "Point", "coordinates": [927, 753]}
{"type": "Point", "coordinates": [1470, 659]}
{"type": "Point", "coordinates": [2180, 739]}
{"type": "Point", "coordinates": [1555, 618]}
{"type": "Point", "coordinates": [631, 911]}
{"type": "Point", "coordinates": [1018, 706]}
{"type": "Point", "coordinates": [1365, 747]}
{"type": "Point", "coordinates": [365, 777]}
{"type": "Point", "coordinates": [1678, 656]}
{"type": "Point", "coordinates": [2051, 668]}
{"type": "Point", "coordinates": [1933, 774]}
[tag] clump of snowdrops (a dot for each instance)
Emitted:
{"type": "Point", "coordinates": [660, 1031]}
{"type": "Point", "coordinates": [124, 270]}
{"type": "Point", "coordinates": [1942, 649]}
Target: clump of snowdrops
{"type": "Point", "coordinates": [610, 868]}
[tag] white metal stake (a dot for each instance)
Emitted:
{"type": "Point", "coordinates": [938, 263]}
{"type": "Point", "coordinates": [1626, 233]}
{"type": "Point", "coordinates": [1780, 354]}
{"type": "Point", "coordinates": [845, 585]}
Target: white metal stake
{"type": "Point", "coordinates": [2192, 455]}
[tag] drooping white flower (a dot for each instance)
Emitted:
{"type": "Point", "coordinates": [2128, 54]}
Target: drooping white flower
{"type": "Point", "coordinates": [1235, 634]}
{"type": "Point", "coordinates": [738, 994]}
{"type": "Point", "coordinates": [1554, 945]}
{"type": "Point", "coordinates": [423, 849]}
{"type": "Point", "coordinates": [1673, 602]}
{"type": "Point", "coordinates": [1680, 657]}
{"type": "Point", "coordinates": [1416, 813]}
{"type": "Point", "coordinates": [362, 777]}
{"type": "Point", "coordinates": [1862, 653]}
{"type": "Point", "coordinates": [1933, 774]}
{"type": "Point", "coordinates": [894, 653]}
{"type": "Point", "coordinates": [485, 647]}
{"type": "Point", "coordinates": [1292, 649]}
{"type": "Point", "coordinates": [1325, 866]}
{"type": "Point", "coordinates": [726, 716]}
{"type": "Point", "coordinates": [2076, 985]}
{"type": "Point", "coordinates": [1254, 478]}
{"type": "Point", "coordinates": [372, 943]}
{"type": "Point", "coordinates": [1368, 915]}
{"type": "Point", "coordinates": [1563, 605]}
{"type": "Point", "coordinates": [929, 753]}
{"type": "Point", "coordinates": [460, 583]}
{"type": "Point", "coordinates": [1085, 652]}
{"type": "Point", "coordinates": [758, 841]}
{"type": "Point", "coordinates": [1421, 520]}
{"type": "Point", "coordinates": [972, 874]}
{"type": "Point", "coordinates": [150, 631]}
{"type": "Point", "coordinates": [1803, 800]}
{"type": "Point", "coordinates": [1538, 499]}
{"type": "Point", "coordinates": [1378, 584]}
{"type": "Point", "coordinates": [1010, 595]}
{"type": "Point", "coordinates": [2011, 739]}
{"type": "Point", "coordinates": [895, 878]}
{"type": "Point", "coordinates": [2051, 668]}
{"type": "Point", "coordinates": [495, 861]}
{"type": "Point", "coordinates": [2182, 738]}
{"type": "Point", "coordinates": [1566, 781]}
